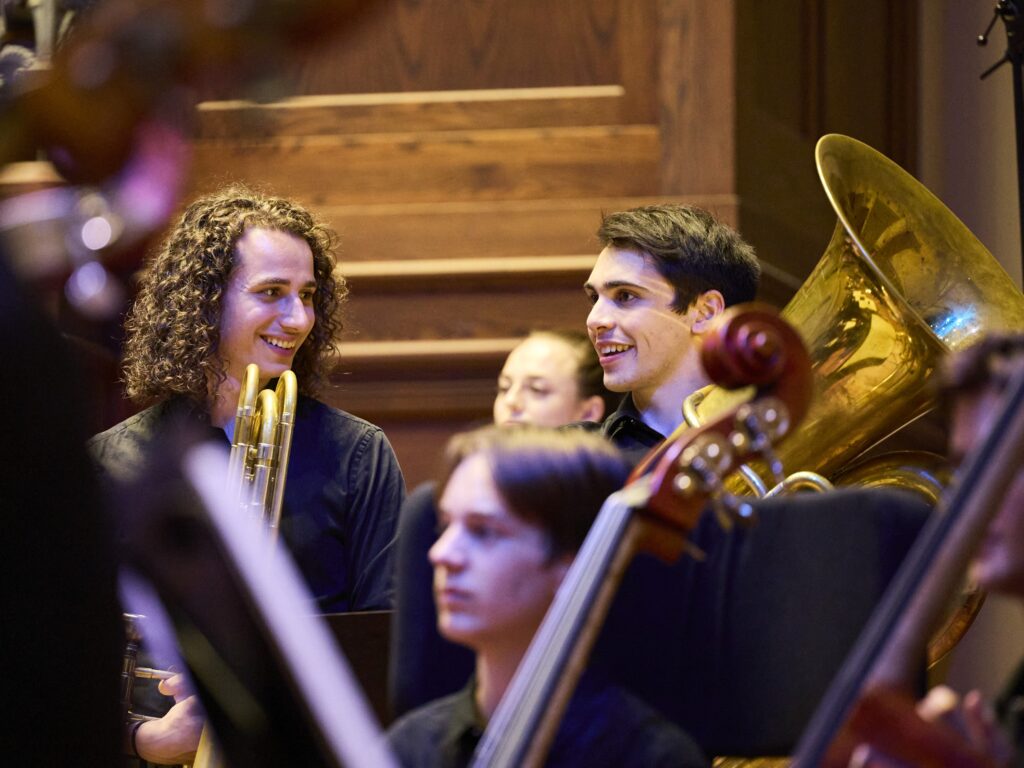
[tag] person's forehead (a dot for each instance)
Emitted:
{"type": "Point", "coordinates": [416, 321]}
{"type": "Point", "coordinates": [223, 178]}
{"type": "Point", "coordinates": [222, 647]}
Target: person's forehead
{"type": "Point", "coordinates": [262, 248]}
{"type": "Point", "coordinates": [616, 266]}
{"type": "Point", "coordinates": [470, 488]}
{"type": "Point", "coordinates": [541, 356]}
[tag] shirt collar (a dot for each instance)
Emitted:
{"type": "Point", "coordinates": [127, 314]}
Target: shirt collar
{"type": "Point", "coordinates": [465, 726]}
{"type": "Point", "coordinates": [627, 417]}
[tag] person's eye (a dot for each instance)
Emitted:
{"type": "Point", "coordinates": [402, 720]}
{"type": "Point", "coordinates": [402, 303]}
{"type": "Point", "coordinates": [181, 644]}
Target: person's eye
{"type": "Point", "coordinates": [540, 390]}
{"type": "Point", "coordinates": [307, 296]}
{"type": "Point", "coordinates": [503, 387]}
{"type": "Point", "coordinates": [483, 531]}
{"type": "Point", "coordinates": [591, 297]}
{"type": "Point", "coordinates": [625, 297]}
{"type": "Point", "coordinates": [270, 293]}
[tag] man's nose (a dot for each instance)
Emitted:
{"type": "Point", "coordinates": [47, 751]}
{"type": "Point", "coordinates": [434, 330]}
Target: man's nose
{"type": "Point", "coordinates": [294, 315]}
{"type": "Point", "coordinates": [599, 318]}
{"type": "Point", "coordinates": [446, 550]}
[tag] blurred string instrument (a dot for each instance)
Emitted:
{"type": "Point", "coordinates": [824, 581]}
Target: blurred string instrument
{"type": "Point", "coordinates": [274, 686]}
{"type": "Point", "coordinates": [257, 469]}
{"type": "Point", "coordinates": [902, 283]}
{"type": "Point", "coordinates": [871, 699]}
{"type": "Point", "coordinates": [106, 95]}
{"type": "Point", "coordinates": [111, 108]}
{"type": "Point", "coordinates": [655, 512]}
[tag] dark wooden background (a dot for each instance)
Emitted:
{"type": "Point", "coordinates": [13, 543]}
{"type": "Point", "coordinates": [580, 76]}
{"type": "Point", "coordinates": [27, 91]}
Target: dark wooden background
{"type": "Point", "coordinates": [465, 149]}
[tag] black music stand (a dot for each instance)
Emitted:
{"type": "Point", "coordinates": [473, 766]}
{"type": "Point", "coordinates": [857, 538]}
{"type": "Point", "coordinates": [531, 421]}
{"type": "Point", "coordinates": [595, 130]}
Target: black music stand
{"type": "Point", "coordinates": [365, 639]}
{"type": "Point", "coordinates": [1010, 12]}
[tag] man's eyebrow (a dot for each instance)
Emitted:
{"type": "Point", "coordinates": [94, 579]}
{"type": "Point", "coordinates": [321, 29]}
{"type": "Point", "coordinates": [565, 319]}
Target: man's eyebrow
{"type": "Point", "coordinates": [611, 284]}
{"type": "Point", "coordinates": [277, 280]}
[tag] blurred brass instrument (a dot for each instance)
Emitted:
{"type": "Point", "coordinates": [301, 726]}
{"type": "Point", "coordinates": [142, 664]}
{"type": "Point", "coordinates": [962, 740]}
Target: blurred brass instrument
{"type": "Point", "coordinates": [902, 283]}
{"type": "Point", "coordinates": [261, 446]}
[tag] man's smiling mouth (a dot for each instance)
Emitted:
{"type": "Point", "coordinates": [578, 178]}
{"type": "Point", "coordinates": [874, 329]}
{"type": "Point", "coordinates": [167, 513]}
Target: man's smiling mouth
{"type": "Point", "coordinates": [610, 350]}
{"type": "Point", "coordinates": [279, 343]}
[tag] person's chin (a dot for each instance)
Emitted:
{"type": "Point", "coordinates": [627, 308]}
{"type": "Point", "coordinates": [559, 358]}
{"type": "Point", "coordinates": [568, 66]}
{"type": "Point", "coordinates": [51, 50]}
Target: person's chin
{"type": "Point", "coordinates": [455, 630]}
{"type": "Point", "coordinates": [619, 381]}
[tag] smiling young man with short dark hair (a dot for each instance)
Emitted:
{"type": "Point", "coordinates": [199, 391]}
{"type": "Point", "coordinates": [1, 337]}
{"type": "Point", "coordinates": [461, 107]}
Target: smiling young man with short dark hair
{"type": "Point", "coordinates": [665, 273]}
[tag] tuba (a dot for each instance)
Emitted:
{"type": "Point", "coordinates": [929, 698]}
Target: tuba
{"type": "Point", "coordinates": [902, 283]}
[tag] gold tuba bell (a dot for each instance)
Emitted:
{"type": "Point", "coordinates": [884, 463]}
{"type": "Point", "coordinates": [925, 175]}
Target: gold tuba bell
{"type": "Point", "coordinates": [902, 283]}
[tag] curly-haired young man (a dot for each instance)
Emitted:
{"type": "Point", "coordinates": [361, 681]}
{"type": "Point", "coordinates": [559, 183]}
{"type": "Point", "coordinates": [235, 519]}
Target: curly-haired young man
{"type": "Point", "coordinates": [245, 278]}
{"type": "Point", "coordinates": [665, 273]}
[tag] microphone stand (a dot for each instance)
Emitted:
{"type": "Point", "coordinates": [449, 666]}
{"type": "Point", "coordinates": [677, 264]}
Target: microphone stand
{"type": "Point", "coordinates": [1010, 13]}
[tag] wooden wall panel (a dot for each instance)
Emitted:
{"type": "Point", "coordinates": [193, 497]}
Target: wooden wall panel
{"type": "Point", "coordinates": [498, 228]}
{"type": "Point", "coordinates": [439, 45]}
{"type": "Point", "coordinates": [480, 313]}
{"type": "Point", "coordinates": [696, 92]}
{"type": "Point", "coordinates": [418, 111]}
{"type": "Point", "coordinates": [465, 151]}
{"type": "Point", "coordinates": [443, 166]}
{"type": "Point", "coordinates": [806, 68]}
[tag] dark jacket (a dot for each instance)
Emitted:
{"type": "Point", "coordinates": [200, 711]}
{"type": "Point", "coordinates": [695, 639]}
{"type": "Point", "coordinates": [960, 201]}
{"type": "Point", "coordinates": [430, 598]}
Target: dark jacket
{"type": "Point", "coordinates": [342, 495]}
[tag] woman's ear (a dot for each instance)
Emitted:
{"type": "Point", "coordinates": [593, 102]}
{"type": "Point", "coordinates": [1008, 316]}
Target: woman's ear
{"type": "Point", "coordinates": [592, 409]}
{"type": "Point", "coordinates": [705, 308]}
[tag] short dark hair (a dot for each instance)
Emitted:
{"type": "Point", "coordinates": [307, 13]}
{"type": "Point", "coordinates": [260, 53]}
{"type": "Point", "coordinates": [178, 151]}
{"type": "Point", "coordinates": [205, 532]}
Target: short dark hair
{"type": "Point", "coordinates": [554, 479]}
{"type": "Point", "coordinates": [689, 248]}
{"type": "Point", "coordinates": [173, 327]}
{"type": "Point", "coordinates": [589, 373]}
{"type": "Point", "coordinates": [986, 363]}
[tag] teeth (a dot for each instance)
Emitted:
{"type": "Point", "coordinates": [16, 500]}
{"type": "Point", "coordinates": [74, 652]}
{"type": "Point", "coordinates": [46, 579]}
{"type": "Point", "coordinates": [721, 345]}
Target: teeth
{"type": "Point", "coordinates": [279, 343]}
{"type": "Point", "coordinates": [611, 349]}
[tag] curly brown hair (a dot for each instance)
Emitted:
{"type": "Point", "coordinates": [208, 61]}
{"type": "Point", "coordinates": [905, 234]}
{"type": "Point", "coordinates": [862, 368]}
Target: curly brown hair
{"type": "Point", "coordinates": [173, 327]}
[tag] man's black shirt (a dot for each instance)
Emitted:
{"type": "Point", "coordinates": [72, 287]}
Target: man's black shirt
{"type": "Point", "coordinates": [603, 726]}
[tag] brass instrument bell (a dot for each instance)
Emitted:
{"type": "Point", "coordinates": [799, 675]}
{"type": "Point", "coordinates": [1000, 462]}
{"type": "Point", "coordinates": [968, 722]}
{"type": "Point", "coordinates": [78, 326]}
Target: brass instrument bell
{"type": "Point", "coordinates": [902, 283]}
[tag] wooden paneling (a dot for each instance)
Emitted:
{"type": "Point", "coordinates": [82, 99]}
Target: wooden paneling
{"type": "Point", "coordinates": [420, 111]}
{"type": "Point", "coordinates": [465, 151]}
{"type": "Point", "coordinates": [806, 68]}
{"type": "Point", "coordinates": [697, 97]}
{"type": "Point", "coordinates": [488, 228]}
{"type": "Point", "coordinates": [482, 311]}
{"type": "Point", "coordinates": [436, 45]}
{"type": "Point", "coordinates": [447, 165]}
